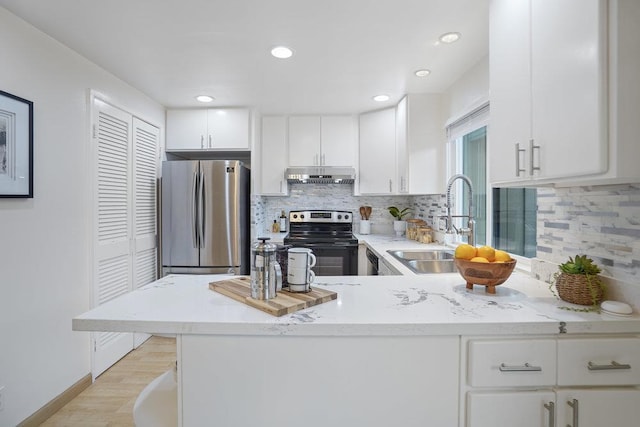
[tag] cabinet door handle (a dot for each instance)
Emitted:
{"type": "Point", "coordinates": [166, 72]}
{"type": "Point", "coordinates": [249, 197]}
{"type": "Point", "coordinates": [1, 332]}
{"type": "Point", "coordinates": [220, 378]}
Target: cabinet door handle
{"type": "Point", "coordinates": [519, 368]}
{"type": "Point", "coordinates": [323, 161]}
{"type": "Point", "coordinates": [390, 187]}
{"type": "Point", "coordinates": [551, 407]}
{"type": "Point", "coordinates": [210, 141]}
{"type": "Point", "coordinates": [202, 141]}
{"type": "Point", "coordinates": [532, 166]}
{"type": "Point", "coordinates": [518, 151]}
{"type": "Point", "coordinates": [614, 365]}
{"type": "Point", "coordinates": [574, 408]}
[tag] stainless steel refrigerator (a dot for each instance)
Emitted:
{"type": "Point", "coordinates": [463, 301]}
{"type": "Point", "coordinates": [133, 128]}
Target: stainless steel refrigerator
{"type": "Point", "coordinates": [205, 217]}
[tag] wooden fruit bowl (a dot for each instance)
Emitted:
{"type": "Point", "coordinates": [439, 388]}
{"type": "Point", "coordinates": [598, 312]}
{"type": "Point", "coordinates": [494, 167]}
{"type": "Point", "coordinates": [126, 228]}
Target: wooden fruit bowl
{"type": "Point", "coordinates": [488, 274]}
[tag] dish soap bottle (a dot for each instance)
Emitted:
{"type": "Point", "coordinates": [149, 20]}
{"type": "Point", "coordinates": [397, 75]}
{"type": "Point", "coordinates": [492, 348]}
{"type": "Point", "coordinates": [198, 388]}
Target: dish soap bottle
{"type": "Point", "coordinates": [275, 227]}
{"type": "Point", "coordinates": [283, 222]}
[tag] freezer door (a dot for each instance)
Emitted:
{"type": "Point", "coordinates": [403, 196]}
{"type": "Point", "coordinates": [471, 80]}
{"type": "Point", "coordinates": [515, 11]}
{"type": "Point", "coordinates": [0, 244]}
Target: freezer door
{"type": "Point", "coordinates": [223, 210]}
{"type": "Point", "coordinates": [179, 214]}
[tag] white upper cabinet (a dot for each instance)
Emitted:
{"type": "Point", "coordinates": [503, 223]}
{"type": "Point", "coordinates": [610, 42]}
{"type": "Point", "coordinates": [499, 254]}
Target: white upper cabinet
{"type": "Point", "coordinates": [420, 145]}
{"type": "Point", "coordinates": [273, 156]}
{"type": "Point", "coordinates": [377, 167]}
{"type": "Point", "coordinates": [304, 140]}
{"type": "Point", "coordinates": [548, 100]}
{"type": "Point", "coordinates": [322, 141]}
{"type": "Point", "coordinates": [208, 129]}
{"type": "Point", "coordinates": [339, 140]}
{"type": "Point", "coordinates": [559, 71]}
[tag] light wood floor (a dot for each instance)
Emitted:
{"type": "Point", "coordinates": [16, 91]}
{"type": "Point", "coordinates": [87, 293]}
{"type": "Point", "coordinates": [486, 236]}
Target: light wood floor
{"type": "Point", "coordinates": [108, 402]}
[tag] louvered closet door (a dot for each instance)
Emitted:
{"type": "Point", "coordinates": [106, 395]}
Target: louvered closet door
{"type": "Point", "coordinates": [145, 141]}
{"type": "Point", "coordinates": [145, 149]}
{"type": "Point", "coordinates": [112, 223]}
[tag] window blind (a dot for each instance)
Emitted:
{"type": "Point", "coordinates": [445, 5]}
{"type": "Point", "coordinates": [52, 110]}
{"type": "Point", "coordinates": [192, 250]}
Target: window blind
{"type": "Point", "coordinates": [467, 123]}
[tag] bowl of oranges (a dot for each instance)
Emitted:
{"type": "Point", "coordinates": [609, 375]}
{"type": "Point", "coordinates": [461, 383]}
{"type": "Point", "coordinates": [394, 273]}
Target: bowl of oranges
{"type": "Point", "coordinates": [483, 266]}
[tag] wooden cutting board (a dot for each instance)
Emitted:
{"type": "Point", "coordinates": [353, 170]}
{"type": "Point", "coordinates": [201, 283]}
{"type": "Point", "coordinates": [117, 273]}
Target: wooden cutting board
{"type": "Point", "coordinates": [286, 302]}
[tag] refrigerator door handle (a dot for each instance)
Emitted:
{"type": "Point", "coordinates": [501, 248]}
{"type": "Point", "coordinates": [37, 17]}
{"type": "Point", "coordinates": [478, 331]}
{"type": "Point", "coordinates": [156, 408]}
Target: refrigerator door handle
{"type": "Point", "coordinates": [194, 209]}
{"type": "Point", "coordinates": [201, 211]}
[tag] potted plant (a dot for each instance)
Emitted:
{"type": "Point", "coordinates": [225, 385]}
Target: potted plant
{"type": "Point", "coordinates": [577, 282]}
{"type": "Point", "coordinates": [399, 225]}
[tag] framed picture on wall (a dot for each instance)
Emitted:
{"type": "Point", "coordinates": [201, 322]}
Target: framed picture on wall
{"type": "Point", "coordinates": [16, 146]}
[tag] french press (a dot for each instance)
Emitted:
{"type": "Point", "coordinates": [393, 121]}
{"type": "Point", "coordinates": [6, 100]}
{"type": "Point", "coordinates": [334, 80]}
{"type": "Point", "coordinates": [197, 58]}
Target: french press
{"type": "Point", "coordinates": [266, 276]}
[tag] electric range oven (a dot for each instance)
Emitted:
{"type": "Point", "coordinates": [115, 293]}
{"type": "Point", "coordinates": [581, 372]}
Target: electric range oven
{"type": "Point", "coordinates": [329, 234]}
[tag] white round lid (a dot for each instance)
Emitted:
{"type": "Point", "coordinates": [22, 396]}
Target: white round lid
{"type": "Point", "coordinates": [616, 307]}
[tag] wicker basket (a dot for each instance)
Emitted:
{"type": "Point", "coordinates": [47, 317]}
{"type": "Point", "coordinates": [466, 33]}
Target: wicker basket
{"type": "Point", "coordinates": [579, 289]}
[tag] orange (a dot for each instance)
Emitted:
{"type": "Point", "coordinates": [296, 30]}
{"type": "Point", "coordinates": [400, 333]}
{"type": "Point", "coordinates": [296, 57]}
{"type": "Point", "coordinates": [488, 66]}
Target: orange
{"type": "Point", "coordinates": [479, 259]}
{"type": "Point", "coordinates": [487, 252]}
{"type": "Point", "coordinates": [502, 256]}
{"type": "Point", "coordinates": [465, 251]}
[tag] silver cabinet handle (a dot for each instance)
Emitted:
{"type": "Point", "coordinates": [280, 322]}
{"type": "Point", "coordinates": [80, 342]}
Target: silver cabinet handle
{"type": "Point", "coordinates": [520, 368]}
{"type": "Point", "coordinates": [518, 151]}
{"type": "Point", "coordinates": [323, 161]}
{"type": "Point", "coordinates": [532, 167]}
{"type": "Point", "coordinates": [390, 187]}
{"type": "Point", "coordinates": [210, 141]}
{"type": "Point", "coordinates": [574, 408]}
{"type": "Point", "coordinates": [202, 141]}
{"type": "Point", "coordinates": [614, 365]}
{"type": "Point", "coordinates": [551, 407]}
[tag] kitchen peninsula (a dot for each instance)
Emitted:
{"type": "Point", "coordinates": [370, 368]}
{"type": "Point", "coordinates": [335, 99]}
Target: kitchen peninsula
{"type": "Point", "coordinates": [394, 350]}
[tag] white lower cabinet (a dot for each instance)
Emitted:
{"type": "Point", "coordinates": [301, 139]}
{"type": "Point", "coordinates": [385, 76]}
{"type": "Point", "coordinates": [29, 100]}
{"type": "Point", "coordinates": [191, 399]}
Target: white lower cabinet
{"type": "Point", "coordinates": [551, 382]}
{"type": "Point", "coordinates": [533, 408]}
{"type": "Point", "coordinates": [610, 407]}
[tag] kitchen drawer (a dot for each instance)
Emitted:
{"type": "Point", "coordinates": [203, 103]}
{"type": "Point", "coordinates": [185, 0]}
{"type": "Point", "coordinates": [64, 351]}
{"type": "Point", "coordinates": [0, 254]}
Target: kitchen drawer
{"type": "Point", "coordinates": [614, 361]}
{"type": "Point", "coordinates": [512, 363]}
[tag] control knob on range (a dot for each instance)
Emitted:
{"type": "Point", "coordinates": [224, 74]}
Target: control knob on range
{"type": "Point", "coordinates": [340, 217]}
{"type": "Point", "coordinates": [346, 217]}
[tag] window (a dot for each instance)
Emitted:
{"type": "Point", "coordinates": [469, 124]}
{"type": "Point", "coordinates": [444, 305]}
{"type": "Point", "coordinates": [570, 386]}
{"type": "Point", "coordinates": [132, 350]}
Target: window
{"type": "Point", "coordinates": [505, 217]}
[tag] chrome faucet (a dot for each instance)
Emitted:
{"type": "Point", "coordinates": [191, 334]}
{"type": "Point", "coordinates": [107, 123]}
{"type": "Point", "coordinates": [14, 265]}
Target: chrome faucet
{"type": "Point", "coordinates": [451, 229]}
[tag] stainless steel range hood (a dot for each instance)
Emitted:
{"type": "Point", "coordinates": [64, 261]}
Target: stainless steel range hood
{"type": "Point", "coordinates": [321, 175]}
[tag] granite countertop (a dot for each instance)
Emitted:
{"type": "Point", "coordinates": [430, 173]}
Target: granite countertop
{"type": "Point", "coordinates": [436, 304]}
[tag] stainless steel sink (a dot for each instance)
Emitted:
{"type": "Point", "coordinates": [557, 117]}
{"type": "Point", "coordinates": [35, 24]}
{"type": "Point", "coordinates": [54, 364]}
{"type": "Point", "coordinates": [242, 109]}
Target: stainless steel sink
{"type": "Point", "coordinates": [426, 261]}
{"type": "Point", "coordinates": [422, 255]}
{"type": "Point", "coordinates": [422, 266]}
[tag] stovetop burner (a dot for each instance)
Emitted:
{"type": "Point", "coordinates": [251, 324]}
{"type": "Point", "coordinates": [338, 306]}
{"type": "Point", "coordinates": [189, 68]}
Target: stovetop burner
{"type": "Point", "coordinates": [317, 226]}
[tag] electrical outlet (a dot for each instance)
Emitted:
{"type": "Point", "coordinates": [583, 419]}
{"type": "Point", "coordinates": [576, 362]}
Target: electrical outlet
{"type": "Point", "coordinates": [1, 398]}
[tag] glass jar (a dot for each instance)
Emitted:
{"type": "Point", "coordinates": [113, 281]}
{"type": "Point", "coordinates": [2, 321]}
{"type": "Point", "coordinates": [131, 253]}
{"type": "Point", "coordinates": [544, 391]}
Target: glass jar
{"type": "Point", "coordinates": [412, 228]}
{"type": "Point", "coordinates": [425, 234]}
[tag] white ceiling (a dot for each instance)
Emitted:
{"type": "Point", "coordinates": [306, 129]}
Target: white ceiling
{"type": "Point", "coordinates": [346, 51]}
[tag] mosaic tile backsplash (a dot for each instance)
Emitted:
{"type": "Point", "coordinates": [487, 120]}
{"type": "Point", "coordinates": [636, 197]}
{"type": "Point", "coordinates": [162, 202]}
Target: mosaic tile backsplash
{"type": "Point", "coordinates": [602, 222]}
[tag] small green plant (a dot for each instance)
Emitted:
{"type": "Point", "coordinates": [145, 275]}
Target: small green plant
{"type": "Point", "coordinates": [582, 266]}
{"type": "Point", "coordinates": [397, 213]}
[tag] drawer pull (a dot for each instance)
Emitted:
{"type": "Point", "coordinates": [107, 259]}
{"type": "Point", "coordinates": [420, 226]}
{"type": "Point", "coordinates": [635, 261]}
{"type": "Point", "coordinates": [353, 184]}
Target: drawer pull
{"type": "Point", "coordinates": [614, 365]}
{"type": "Point", "coordinates": [520, 368]}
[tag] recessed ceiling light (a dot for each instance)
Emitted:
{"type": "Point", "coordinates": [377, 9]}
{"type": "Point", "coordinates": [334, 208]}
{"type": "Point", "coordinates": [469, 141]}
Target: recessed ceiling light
{"type": "Point", "coordinates": [381, 98]}
{"type": "Point", "coordinates": [449, 37]}
{"type": "Point", "coordinates": [423, 73]}
{"type": "Point", "coordinates": [204, 98]}
{"type": "Point", "coordinates": [281, 52]}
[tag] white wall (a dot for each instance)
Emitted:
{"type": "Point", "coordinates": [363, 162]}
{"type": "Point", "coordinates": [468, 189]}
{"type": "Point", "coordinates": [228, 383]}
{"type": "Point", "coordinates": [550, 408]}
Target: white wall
{"type": "Point", "coordinates": [45, 242]}
{"type": "Point", "coordinates": [467, 92]}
